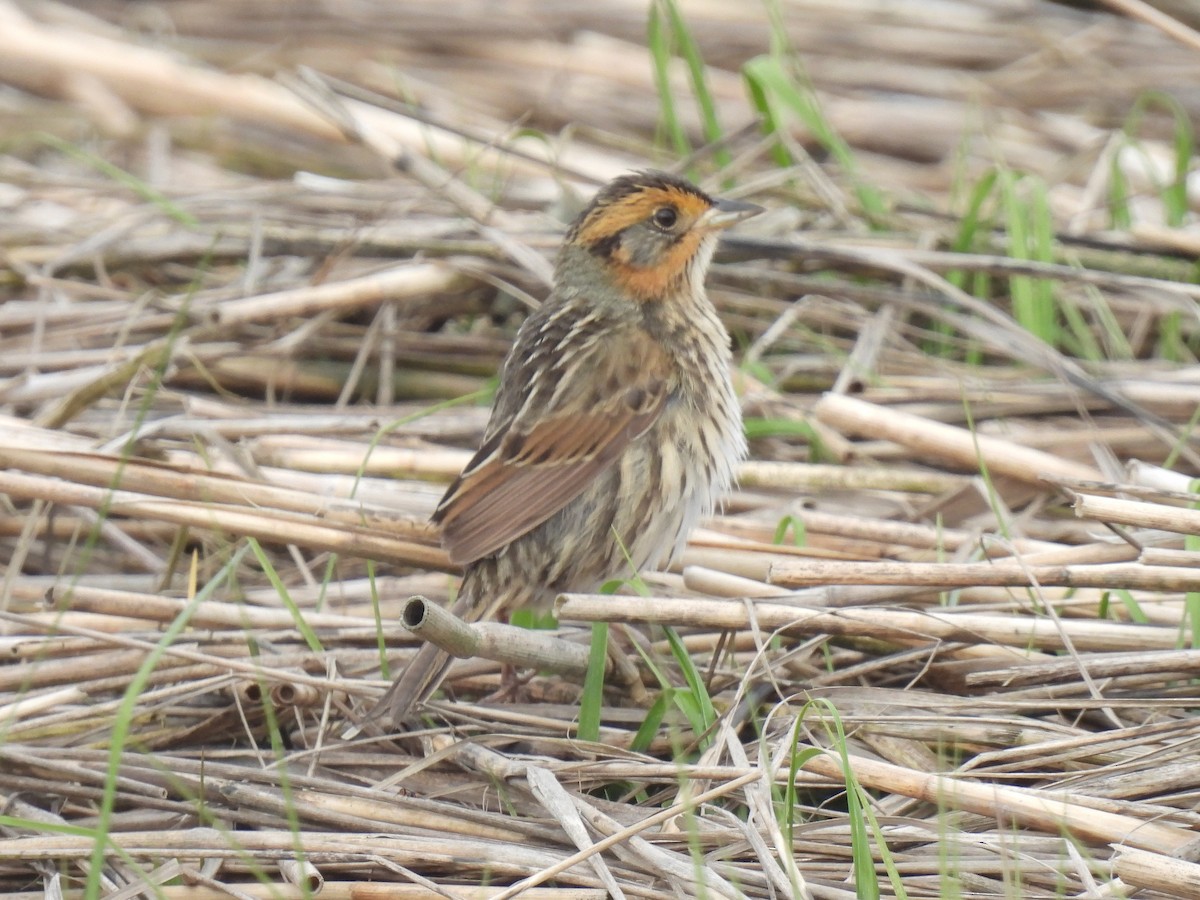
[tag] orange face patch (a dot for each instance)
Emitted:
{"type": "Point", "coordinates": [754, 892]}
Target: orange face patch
{"type": "Point", "coordinates": [662, 276]}
{"type": "Point", "coordinates": [605, 221]}
{"type": "Point", "coordinates": [660, 280]}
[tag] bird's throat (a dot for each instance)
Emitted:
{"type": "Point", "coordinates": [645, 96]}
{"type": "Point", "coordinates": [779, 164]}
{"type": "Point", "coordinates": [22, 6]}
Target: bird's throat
{"type": "Point", "coordinates": [672, 274]}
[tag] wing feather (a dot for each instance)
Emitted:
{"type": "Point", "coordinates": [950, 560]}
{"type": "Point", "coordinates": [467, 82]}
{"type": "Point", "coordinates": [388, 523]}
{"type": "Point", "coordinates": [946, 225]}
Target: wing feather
{"type": "Point", "coordinates": [543, 456]}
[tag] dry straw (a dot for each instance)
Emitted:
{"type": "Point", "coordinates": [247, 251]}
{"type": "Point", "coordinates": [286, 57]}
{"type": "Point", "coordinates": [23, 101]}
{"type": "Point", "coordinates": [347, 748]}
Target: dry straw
{"type": "Point", "coordinates": [244, 299]}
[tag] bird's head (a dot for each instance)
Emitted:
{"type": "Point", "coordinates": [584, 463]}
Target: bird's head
{"type": "Point", "coordinates": [650, 235]}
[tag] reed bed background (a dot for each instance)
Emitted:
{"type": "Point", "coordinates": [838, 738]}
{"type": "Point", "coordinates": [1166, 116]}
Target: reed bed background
{"type": "Point", "coordinates": [260, 262]}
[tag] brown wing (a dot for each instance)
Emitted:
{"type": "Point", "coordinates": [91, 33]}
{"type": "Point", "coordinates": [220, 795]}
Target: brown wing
{"type": "Point", "coordinates": [556, 443]}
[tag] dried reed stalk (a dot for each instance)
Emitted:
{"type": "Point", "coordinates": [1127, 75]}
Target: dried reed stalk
{"type": "Point", "coordinates": [234, 294]}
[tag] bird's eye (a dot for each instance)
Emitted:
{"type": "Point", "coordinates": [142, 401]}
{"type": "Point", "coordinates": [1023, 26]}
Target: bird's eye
{"type": "Point", "coordinates": [665, 217]}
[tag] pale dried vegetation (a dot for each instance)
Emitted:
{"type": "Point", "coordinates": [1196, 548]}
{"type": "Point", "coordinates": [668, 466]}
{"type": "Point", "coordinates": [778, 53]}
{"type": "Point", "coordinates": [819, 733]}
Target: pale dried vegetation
{"type": "Point", "coordinates": [249, 253]}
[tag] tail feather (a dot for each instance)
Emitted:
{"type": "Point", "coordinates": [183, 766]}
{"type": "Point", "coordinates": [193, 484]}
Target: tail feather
{"type": "Point", "coordinates": [425, 672]}
{"type": "Point", "coordinates": [417, 683]}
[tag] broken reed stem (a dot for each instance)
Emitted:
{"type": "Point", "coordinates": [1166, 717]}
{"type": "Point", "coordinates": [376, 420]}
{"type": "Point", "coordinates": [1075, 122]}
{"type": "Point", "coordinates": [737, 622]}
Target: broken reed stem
{"type": "Point", "coordinates": [1158, 556]}
{"type": "Point", "coordinates": [1048, 811]}
{"type": "Point", "coordinates": [797, 476]}
{"type": "Point", "coordinates": [274, 527]}
{"type": "Point", "coordinates": [206, 615]}
{"type": "Point", "coordinates": [894, 625]}
{"type": "Point", "coordinates": [496, 641]}
{"type": "Point", "coordinates": [317, 805]}
{"type": "Point", "coordinates": [141, 476]}
{"type": "Point", "coordinates": [960, 446]}
{"type": "Point", "coordinates": [882, 531]}
{"type": "Point", "coordinates": [401, 283]}
{"type": "Point", "coordinates": [339, 890]}
{"type": "Point", "coordinates": [879, 581]}
{"type": "Point", "coordinates": [1129, 576]}
{"type": "Point", "coordinates": [301, 873]}
{"type": "Point", "coordinates": [308, 453]}
{"type": "Point", "coordinates": [203, 843]}
{"type": "Point", "coordinates": [10, 713]}
{"type": "Point", "coordinates": [1155, 871]}
{"type": "Point", "coordinates": [1108, 665]}
{"type": "Point", "coordinates": [253, 670]}
{"type": "Point", "coordinates": [1137, 513]}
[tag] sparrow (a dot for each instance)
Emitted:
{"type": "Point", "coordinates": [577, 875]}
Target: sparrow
{"type": "Point", "coordinates": [615, 426]}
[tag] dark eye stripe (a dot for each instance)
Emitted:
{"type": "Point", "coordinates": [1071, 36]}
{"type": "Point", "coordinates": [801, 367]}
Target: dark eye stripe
{"type": "Point", "coordinates": [606, 245]}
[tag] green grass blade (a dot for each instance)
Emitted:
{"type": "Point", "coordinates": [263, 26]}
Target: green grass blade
{"type": "Point", "coordinates": [310, 636]}
{"type": "Point", "coordinates": [385, 671]}
{"type": "Point", "coordinates": [760, 99]}
{"type": "Point", "coordinates": [689, 51]}
{"type": "Point", "coordinates": [1080, 339]}
{"type": "Point", "coordinates": [1042, 250]}
{"type": "Point", "coordinates": [1132, 607]}
{"type": "Point", "coordinates": [591, 705]}
{"type": "Point", "coordinates": [280, 753]}
{"type": "Point", "coordinates": [791, 799]}
{"type": "Point", "coordinates": [671, 696]}
{"type": "Point", "coordinates": [1174, 191]}
{"type": "Point", "coordinates": [790, 91]}
{"type": "Point", "coordinates": [157, 359]}
{"type": "Point", "coordinates": [1185, 435]}
{"type": "Point", "coordinates": [385, 430]}
{"type": "Point", "coordinates": [48, 827]}
{"type": "Point", "coordinates": [1175, 195]}
{"type": "Point", "coordinates": [658, 39]}
{"type": "Point", "coordinates": [796, 526]}
{"type": "Point", "coordinates": [757, 427]}
{"type": "Point", "coordinates": [1119, 215]}
{"type": "Point", "coordinates": [1020, 286]}
{"type": "Point", "coordinates": [121, 177]}
{"type": "Point", "coordinates": [644, 737]}
{"type": "Point", "coordinates": [1191, 600]}
{"type": "Point", "coordinates": [1030, 237]}
{"type": "Point", "coordinates": [967, 239]}
{"type": "Point", "coordinates": [704, 714]}
{"type": "Point", "coordinates": [859, 815]}
{"type": "Point", "coordinates": [123, 719]}
{"type": "Point", "coordinates": [687, 703]}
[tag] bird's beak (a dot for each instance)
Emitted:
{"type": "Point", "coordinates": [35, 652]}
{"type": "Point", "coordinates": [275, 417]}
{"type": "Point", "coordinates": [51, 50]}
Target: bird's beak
{"type": "Point", "coordinates": [727, 212]}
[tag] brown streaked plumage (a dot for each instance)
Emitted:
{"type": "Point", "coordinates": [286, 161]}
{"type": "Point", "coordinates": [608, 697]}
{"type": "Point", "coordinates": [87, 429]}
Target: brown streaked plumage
{"type": "Point", "coordinates": [615, 427]}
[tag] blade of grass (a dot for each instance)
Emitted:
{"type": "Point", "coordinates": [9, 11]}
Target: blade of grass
{"type": "Point", "coordinates": [975, 219]}
{"type": "Point", "coordinates": [310, 636]}
{"type": "Point", "coordinates": [695, 702]}
{"type": "Point", "coordinates": [385, 671]}
{"type": "Point", "coordinates": [1136, 614]}
{"type": "Point", "coordinates": [796, 526]}
{"type": "Point", "coordinates": [1174, 192]}
{"type": "Point", "coordinates": [1116, 344]}
{"type": "Point", "coordinates": [644, 737]}
{"type": "Point", "coordinates": [1191, 600]}
{"type": "Point", "coordinates": [121, 177]}
{"type": "Point", "coordinates": [1080, 338]}
{"type": "Point", "coordinates": [689, 51]}
{"type": "Point", "coordinates": [774, 84]}
{"type": "Point", "coordinates": [158, 373]}
{"type": "Point", "coordinates": [859, 814]}
{"type": "Point", "coordinates": [1120, 217]}
{"type": "Point", "coordinates": [123, 718]}
{"type": "Point", "coordinates": [791, 800]}
{"type": "Point", "coordinates": [658, 39]}
{"type": "Point", "coordinates": [280, 754]}
{"type": "Point", "coordinates": [756, 427]}
{"type": "Point", "coordinates": [768, 113]}
{"type": "Point", "coordinates": [591, 704]}
{"type": "Point", "coordinates": [1030, 237]}
{"type": "Point", "coordinates": [1185, 434]}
